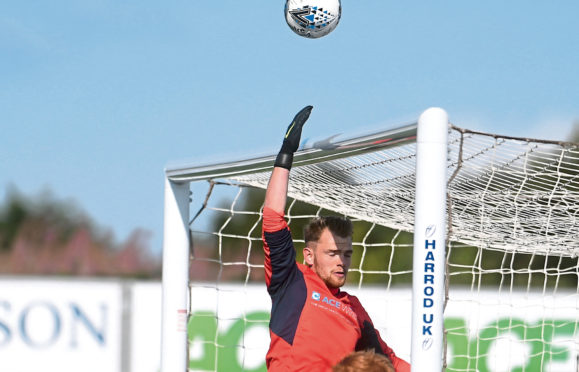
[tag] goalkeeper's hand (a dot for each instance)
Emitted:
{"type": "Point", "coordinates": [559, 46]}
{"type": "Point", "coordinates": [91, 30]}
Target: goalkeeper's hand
{"type": "Point", "coordinates": [369, 339]}
{"type": "Point", "coordinates": [291, 141]}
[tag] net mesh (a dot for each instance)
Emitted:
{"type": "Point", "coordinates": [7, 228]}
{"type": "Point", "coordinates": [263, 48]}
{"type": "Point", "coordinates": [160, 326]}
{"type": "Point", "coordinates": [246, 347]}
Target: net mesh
{"type": "Point", "coordinates": [512, 194]}
{"type": "Point", "coordinates": [512, 274]}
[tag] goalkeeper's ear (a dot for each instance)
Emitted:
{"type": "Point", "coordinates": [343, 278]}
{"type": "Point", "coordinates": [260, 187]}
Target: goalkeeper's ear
{"type": "Point", "coordinates": [308, 255]}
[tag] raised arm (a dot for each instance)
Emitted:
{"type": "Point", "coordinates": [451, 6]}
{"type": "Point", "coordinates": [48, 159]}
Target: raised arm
{"type": "Point", "coordinates": [278, 246]}
{"type": "Point", "coordinates": [276, 194]}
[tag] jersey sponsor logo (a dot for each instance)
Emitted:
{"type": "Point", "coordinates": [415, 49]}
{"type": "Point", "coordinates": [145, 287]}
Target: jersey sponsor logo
{"type": "Point", "coordinates": [332, 304]}
{"type": "Point", "coordinates": [330, 301]}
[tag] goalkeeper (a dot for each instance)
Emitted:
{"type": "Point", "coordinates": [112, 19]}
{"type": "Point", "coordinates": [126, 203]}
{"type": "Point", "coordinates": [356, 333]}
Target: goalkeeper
{"type": "Point", "coordinates": [313, 323]}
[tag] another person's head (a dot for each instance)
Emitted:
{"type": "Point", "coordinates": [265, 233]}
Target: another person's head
{"type": "Point", "coordinates": [367, 361]}
{"type": "Point", "coordinates": [328, 249]}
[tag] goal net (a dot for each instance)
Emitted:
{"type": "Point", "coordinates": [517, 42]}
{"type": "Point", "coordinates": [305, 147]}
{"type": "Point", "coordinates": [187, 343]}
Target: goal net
{"type": "Point", "coordinates": [512, 289]}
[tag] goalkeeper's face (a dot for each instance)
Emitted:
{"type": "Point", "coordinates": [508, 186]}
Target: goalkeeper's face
{"type": "Point", "coordinates": [330, 257]}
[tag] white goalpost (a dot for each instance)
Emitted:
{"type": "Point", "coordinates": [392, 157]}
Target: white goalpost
{"type": "Point", "coordinates": [429, 241]}
{"type": "Point", "coordinates": [175, 277]}
{"type": "Point", "coordinates": [465, 248]}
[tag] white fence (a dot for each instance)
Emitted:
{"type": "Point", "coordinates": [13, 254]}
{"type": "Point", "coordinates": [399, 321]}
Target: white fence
{"type": "Point", "coordinates": [114, 326]}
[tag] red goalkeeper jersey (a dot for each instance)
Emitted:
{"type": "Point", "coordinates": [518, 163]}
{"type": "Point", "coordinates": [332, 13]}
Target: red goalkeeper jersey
{"type": "Point", "coordinates": [312, 327]}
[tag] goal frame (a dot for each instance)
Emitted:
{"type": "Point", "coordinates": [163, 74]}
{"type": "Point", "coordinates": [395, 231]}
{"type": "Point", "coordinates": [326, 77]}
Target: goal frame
{"type": "Point", "coordinates": [430, 134]}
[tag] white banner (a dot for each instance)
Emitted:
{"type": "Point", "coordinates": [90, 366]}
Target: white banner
{"type": "Point", "coordinates": [60, 325]}
{"type": "Point", "coordinates": [71, 326]}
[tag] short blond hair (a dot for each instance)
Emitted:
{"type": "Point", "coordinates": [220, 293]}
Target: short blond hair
{"type": "Point", "coordinates": [367, 361]}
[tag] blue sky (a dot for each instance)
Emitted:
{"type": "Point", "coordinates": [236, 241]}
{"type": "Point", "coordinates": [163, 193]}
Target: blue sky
{"type": "Point", "coordinates": [97, 97]}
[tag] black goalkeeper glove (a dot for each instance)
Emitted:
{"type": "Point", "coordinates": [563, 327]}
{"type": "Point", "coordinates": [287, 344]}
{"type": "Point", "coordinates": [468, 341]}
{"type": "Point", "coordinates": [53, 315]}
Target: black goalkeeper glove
{"type": "Point", "coordinates": [291, 141]}
{"type": "Point", "coordinates": [369, 339]}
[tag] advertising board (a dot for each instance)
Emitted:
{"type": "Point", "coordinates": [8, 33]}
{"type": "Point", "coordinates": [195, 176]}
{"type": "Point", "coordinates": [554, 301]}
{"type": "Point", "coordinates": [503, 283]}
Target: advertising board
{"type": "Point", "coordinates": [66, 325]}
{"type": "Point", "coordinates": [486, 331]}
{"type": "Point", "coordinates": [60, 325]}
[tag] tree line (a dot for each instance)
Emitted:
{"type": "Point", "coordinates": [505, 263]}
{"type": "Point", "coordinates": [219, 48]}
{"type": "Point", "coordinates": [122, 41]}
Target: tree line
{"type": "Point", "coordinates": [43, 235]}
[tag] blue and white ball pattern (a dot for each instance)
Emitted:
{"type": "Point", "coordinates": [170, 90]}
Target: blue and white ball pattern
{"type": "Point", "coordinates": [313, 18]}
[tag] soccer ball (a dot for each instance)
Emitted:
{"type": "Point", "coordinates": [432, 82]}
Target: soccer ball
{"type": "Point", "coordinates": [312, 18]}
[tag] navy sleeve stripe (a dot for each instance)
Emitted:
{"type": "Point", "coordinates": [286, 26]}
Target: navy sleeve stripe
{"type": "Point", "coordinates": [287, 306]}
{"type": "Point", "coordinates": [282, 257]}
{"type": "Point", "coordinates": [287, 286]}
